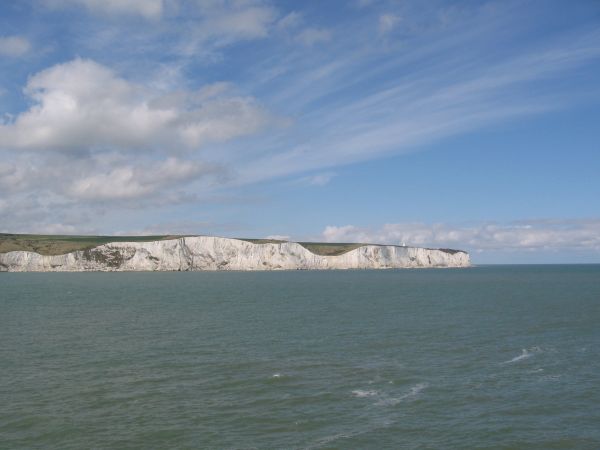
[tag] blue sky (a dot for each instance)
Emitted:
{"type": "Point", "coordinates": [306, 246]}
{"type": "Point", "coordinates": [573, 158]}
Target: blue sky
{"type": "Point", "coordinates": [468, 124]}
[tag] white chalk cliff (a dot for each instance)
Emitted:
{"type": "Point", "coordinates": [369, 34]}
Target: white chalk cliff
{"type": "Point", "coordinates": [214, 253]}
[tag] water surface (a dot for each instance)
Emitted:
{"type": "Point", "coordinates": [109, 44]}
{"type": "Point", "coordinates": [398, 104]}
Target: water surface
{"type": "Point", "coordinates": [489, 357]}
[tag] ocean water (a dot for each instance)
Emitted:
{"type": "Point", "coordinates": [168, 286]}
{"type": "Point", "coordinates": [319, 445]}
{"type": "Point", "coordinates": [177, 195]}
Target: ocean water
{"type": "Point", "coordinates": [504, 357]}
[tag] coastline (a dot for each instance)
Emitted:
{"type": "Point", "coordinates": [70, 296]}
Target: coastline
{"type": "Point", "coordinates": [214, 253]}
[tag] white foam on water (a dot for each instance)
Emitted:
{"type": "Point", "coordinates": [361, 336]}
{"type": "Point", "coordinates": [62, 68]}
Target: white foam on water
{"type": "Point", "coordinates": [551, 377]}
{"type": "Point", "coordinates": [276, 375]}
{"type": "Point", "coordinates": [412, 393]}
{"type": "Point", "coordinates": [328, 439]}
{"type": "Point", "coordinates": [362, 394]}
{"type": "Point", "coordinates": [525, 354]}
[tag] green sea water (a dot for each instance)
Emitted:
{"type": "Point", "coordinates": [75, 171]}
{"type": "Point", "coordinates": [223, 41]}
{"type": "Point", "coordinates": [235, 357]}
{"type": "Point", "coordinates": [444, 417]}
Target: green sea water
{"type": "Point", "coordinates": [503, 357]}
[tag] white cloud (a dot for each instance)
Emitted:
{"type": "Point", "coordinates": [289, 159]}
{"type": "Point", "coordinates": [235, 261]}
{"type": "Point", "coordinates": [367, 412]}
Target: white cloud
{"type": "Point", "coordinates": [13, 176]}
{"type": "Point", "coordinates": [14, 46]}
{"type": "Point", "coordinates": [150, 9]}
{"type": "Point", "coordinates": [312, 36]}
{"type": "Point", "coordinates": [220, 23]}
{"type": "Point", "coordinates": [532, 235]}
{"type": "Point", "coordinates": [291, 20]}
{"type": "Point", "coordinates": [387, 22]}
{"type": "Point", "coordinates": [91, 140]}
{"type": "Point", "coordinates": [103, 177]}
{"type": "Point", "coordinates": [278, 237]}
{"type": "Point", "coordinates": [446, 96]}
{"type": "Point", "coordinates": [181, 227]}
{"type": "Point", "coordinates": [81, 106]}
{"type": "Point", "coordinates": [248, 23]}
{"type": "Point", "coordinates": [363, 3]}
{"type": "Point", "coordinates": [318, 179]}
{"type": "Point", "coordinates": [55, 228]}
{"type": "Point", "coordinates": [133, 181]}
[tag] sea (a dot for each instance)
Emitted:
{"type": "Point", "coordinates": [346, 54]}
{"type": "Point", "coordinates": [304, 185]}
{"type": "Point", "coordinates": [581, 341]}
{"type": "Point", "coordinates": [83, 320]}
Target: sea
{"type": "Point", "coordinates": [489, 357]}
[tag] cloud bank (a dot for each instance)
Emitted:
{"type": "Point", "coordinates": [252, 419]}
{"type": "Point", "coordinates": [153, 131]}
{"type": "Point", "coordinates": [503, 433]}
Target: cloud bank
{"type": "Point", "coordinates": [90, 136]}
{"type": "Point", "coordinates": [527, 235]}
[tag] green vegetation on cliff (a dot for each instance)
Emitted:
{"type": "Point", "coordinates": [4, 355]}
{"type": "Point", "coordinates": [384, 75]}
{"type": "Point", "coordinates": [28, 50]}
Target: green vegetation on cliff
{"type": "Point", "coordinates": [318, 248]}
{"type": "Point", "coordinates": [60, 244]}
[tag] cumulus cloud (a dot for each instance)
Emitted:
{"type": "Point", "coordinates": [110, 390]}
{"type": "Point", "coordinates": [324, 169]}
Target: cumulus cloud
{"type": "Point", "coordinates": [150, 9]}
{"type": "Point", "coordinates": [81, 105]}
{"type": "Point", "coordinates": [529, 235]}
{"type": "Point", "coordinates": [103, 177]}
{"type": "Point", "coordinates": [91, 140]}
{"type": "Point", "coordinates": [14, 46]}
{"type": "Point", "coordinates": [127, 181]}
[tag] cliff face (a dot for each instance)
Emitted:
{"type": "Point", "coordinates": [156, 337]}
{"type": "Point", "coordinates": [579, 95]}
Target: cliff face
{"type": "Point", "coordinates": [213, 253]}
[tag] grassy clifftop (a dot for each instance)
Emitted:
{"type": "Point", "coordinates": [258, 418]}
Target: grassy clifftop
{"type": "Point", "coordinates": [60, 244]}
{"type": "Point", "coordinates": [318, 248]}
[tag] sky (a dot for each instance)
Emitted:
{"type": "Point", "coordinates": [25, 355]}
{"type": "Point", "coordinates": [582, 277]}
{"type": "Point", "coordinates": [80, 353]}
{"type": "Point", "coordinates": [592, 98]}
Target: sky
{"type": "Point", "coordinates": [464, 124]}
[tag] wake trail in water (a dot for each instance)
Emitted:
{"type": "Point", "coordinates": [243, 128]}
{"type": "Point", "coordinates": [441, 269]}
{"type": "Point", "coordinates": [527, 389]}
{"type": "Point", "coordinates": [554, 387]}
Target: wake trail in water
{"type": "Point", "coordinates": [412, 393]}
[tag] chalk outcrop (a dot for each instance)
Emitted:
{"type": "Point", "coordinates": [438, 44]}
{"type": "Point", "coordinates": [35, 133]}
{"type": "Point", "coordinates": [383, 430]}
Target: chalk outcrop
{"type": "Point", "coordinates": [214, 253]}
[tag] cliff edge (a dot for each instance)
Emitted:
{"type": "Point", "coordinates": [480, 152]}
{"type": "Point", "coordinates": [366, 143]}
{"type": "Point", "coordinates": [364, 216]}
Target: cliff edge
{"type": "Point", "coordinates": [215, 253]}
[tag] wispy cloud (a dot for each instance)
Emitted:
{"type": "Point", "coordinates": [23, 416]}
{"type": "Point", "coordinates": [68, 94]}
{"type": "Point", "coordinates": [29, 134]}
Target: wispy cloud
{"type": "Point", "coordinates": [312, 36]}
{"type": "Point", "coordinates": [14, 46]}
{"type": "Point", "coordinates": [317, 179]}
{"type": "Point", "coordinates": [290, 21]}
{"type": "Point", "coordinates": [435, 100]}
{"type": "Point", "coordinates": [150, 9]}
{"type": "Point", "coordinates": [216, 24]}
{"type": "Point", "coordinates": [387, 22]}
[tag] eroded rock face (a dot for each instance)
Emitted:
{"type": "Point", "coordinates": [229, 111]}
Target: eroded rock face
{"type": "Point", "coordinates": [214, 253]}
